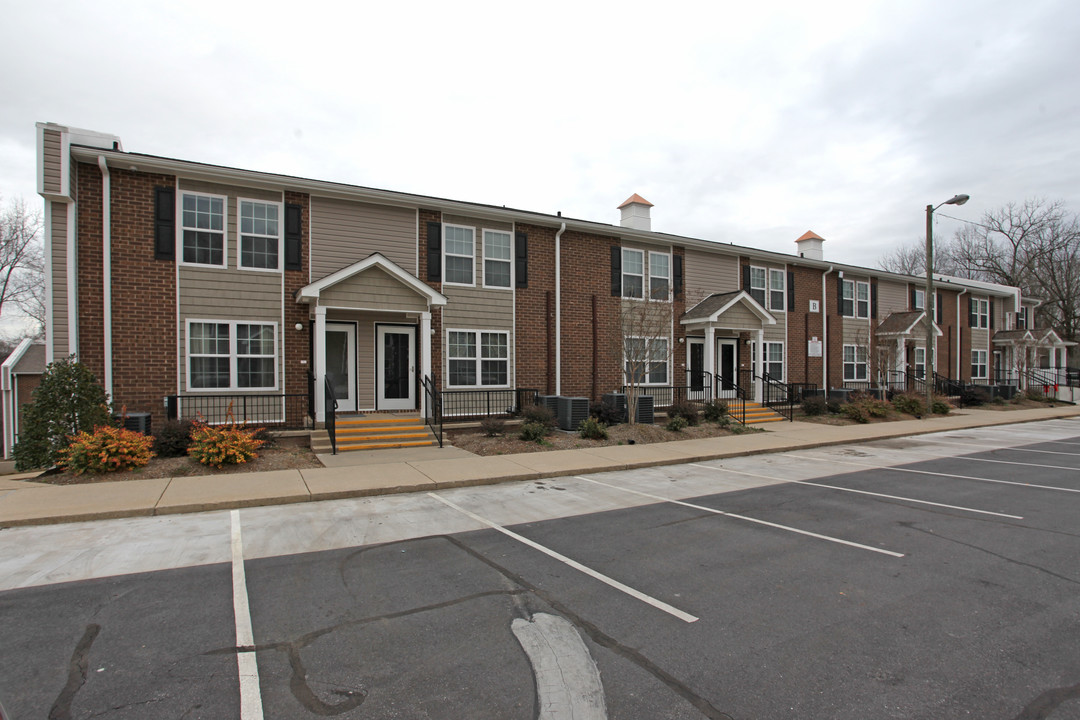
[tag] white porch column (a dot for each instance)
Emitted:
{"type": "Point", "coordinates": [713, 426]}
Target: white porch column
{"type": "Point", "coordinates": [320, 364]}
{"type": "Point", "coordinates": [710, 357]}
{"type": "Point", "coordinates": [901, 359]}
{"type": "Point", "coordinates": [759, 369]}
{"type": "Point", "coordinates": [425, 357]}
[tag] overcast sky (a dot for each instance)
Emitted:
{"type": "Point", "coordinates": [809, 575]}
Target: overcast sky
{"type": "Point", "coordinates": [742, 122]}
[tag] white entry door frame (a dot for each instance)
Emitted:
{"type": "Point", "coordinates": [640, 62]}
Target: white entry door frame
{"type": "Point", "coordinates": [340, 361]}
{"type": "Point", "coordinates": [395, 367]}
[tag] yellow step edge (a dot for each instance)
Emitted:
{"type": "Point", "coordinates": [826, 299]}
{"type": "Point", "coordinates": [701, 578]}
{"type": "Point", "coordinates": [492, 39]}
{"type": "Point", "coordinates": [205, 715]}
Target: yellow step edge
{"type": "Point", "coordinates": [389, 436]}
{"type": "Point", "coordinates": [381, 428]}
{"type": "Point", "coordinates": [382, 421]}
{"type": "Point", "coordinates": [383, 446]}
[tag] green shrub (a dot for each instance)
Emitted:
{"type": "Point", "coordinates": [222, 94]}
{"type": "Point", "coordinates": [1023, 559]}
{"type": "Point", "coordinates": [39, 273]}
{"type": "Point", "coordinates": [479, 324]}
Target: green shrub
{"type": "Point", "coordinates": [677, 424]}
{"type": "Point", "coordinates": [833, 406]}
{"type": "Point", "coordinates": [909, 404]}
{"type": "Point", "coordinates": [686, 410]}
{"type": "Point", "coordinates": [534, 431]}
{"type": "Point", "coordinates": [940, 407]}
{"type": "Point", "coordinates": [107, 449]}
{"type": "Point", "coordinates": [592, 429]}
{"type": "Point", "coordinates": [606, 413]}
{"type": "Point", "coordinates": [855, 411]}
{"type": "Point", "coordinates": [493, 426]}
{"type": "Point", "coordinates": [538, 414]}
{"type": "Point", "coordinates": [220, 445]}
{"type": "Point", "coordinates": [68, 401]}
{"type": "Point", "coordinates": [716, 411]}
{"type": "Point", "coordinates": [173, 439]}
{"type": "Point", "coordinates": [814, 405]}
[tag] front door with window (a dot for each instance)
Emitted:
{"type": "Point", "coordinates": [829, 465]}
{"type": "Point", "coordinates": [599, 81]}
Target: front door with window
{"type": "Point", "coordinates": [726, 366]}
{"type": "Point", "coordinates": [341, 364]}
{"type": "Point", "coordinates": [395, 378]}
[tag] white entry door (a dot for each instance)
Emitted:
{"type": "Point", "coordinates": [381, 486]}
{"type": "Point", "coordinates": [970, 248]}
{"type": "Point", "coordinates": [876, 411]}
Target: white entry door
{"type": "Point", "coordinates": [726, 367]}
{"type": "Point", "coordinates": [341, 364]}
{"type": "Point", "coordinates": [395, 367]}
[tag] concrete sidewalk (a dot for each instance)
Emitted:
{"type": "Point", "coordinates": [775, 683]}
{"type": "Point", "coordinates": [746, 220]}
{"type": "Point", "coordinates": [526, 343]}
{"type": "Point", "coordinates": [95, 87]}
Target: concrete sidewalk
{"type": "Point", "coordinates": [24, 502]}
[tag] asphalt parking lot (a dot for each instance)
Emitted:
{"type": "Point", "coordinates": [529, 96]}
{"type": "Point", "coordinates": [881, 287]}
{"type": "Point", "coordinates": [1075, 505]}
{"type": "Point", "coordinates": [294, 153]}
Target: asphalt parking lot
{"type": "Point", "coordinates": [925, 577]}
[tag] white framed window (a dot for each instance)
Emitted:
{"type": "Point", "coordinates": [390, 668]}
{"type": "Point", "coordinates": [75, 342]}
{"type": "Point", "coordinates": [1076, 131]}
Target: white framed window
{"type": "Point", "coordinates": [847, 298]}
{"type": "Point", "coordinates": [231, 355]}
{"type": "Point", "coordinates": [855, 365]}
{"type": "Point", "coordinates": [459, 254]}
{"type": "Point", "coordinates": [633, 273]}
{"type": "Point", "coordinates": [862, 300]}
{"type": "Point", "coordinates": [659, 276]}
{"type": "Point", "coordinates": [1021, 319]}
{"type": "Point", "coordinates": [259, 246]}
{"type": "Point", "coordinates": [777, 290]}
{"type": "Point", "coordinates": [774, 360]}
{"type": "Point", "coordinates": [478, 358]}
{"type": "Point", "coordinates": [980, 317]}
{"type": "Point", "coordinates": [920, 362]}
{"type": "Point", "coordinates": [757, 284]}
{"type": "Point", "coordinates": [978, 365]}
{"type": "Point", "coordinates": [646, 360]}
{"type": "Point", "coordinates": [498, 268]}
{"type": "Point", "coordinates": [202, 229]}
{"type": "Point", "coordinates": [920, 299]}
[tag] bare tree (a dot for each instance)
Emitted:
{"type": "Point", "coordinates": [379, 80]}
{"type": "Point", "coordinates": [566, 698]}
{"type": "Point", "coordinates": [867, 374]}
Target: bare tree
{"type": "Point", "coordinates": [648, 350]}
{"type": "Point", "coordinates": [911, 259]}
{"type": "Point", "coordinates": [1058, 278]}
{"type": "Point", "coordinates": [22, 262]}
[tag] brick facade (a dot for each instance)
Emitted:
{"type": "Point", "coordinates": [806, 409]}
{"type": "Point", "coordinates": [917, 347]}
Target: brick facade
{"type": "Point", "coordinates": [296, 345]}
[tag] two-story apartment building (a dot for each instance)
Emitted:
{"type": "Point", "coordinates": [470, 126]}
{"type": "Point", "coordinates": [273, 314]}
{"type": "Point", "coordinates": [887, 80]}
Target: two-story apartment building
{"type": "Point", "coordinates": [176, 281]}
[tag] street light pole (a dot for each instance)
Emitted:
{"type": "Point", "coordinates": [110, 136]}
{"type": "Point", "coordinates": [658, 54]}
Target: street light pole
{"type": "Point", "coordinates": [929, 304]}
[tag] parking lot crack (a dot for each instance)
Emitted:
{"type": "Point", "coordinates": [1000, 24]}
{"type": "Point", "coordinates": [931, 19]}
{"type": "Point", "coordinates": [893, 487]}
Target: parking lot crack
{"type": "Point", "coordinates": [1045, 704]}
{"type": "Point", "coordinates": [77, 667]}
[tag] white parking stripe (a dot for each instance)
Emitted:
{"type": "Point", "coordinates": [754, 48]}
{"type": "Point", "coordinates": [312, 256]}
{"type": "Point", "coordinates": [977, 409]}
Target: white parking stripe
{"type": "Point", "coordinates": [939, 474]}
{"type": "Point", "coordinates": [250, 697]}
{"type": "Point", "coordinates": [659, 604]}
{"type": "Point", "coordinates": [863, 492]}
{"type": "Point", "coordinates": [940, 441]}
{"type": "Point", "coordinates": [714, 511]}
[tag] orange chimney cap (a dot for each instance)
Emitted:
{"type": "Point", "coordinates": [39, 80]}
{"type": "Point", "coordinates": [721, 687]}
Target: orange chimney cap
{"type": "Point", "coordinates": [635, 198]}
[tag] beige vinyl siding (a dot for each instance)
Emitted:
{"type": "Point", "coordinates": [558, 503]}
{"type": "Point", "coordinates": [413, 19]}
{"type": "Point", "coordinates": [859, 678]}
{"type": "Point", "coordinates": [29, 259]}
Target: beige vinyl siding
{"type": "Point", "coordinates": [373, 288]}
{"type": "Point", "coordinates": [738, 317]}
{"type": "Point", "coordinates": [344, 232]}
{"type": "Point", "coordinates": [856, 331]}
{"type": "Point", "coordinates": [58, 245]}
{"type": "Point", "coordinates": [52, 162]}
{"type": "Point", "coordinates": [980, 340]}
{"type": "Point", "coordinates": [777, 332]}
{"type": "Point", "coordinates": [707, 273]}
{"type": "Point", "coordinates": [891, 297]}
{"type": "Point", "coordinates": [477, 309]}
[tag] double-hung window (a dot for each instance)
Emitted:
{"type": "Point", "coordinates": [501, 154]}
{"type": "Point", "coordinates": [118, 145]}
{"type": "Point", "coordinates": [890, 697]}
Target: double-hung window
{"type": "Point", "coordinates": [633, 273]}
{"type": "Point", "coordinates": [847, 298]}
{"type": "Point", "coordinates": [773, 362]}
{"type": "Point", "coordinates": [980, 313]}
{"type": "Point", "coordinates": [978, 364]}
{"type": "Point", "coordinates": [862, 300]}
{"type": "Point", "coordinates": [777, 287]}
{"type": "Point", "coordinates": [919, 299]}
{"type": "Point", "coordinates": [920, 362]}
{"type": "Point", "coordinates": [855, 365]}
{"type": "Point", "coordinates": [646, 360]}
{"type": "Point", "coordinates": [659, 276]}
{"type": "Point", "coordinates": [260, 236]}
{"type": "Point", "coordinates": [757, 284]}
{"type": "Point", "coordinates": [459, 254]}
{"type": "Point", "coordinates": [202, 228]}
{"type": "Point", "coordinates": [232, 355]}
{"type": "Point", "coordinates": [478, 359]}
{"type": "Point", "coordinates": [497, 256]}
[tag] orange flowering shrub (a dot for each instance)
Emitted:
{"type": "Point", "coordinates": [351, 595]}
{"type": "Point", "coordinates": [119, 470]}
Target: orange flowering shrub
{"type": "Point", "coordinates": [107, 449]}
{"type": "Point", "coordinates": [218, 445]}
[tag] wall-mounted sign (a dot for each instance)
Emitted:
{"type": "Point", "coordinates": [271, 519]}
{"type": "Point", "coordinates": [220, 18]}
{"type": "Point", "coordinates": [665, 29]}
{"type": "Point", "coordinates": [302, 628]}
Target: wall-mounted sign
{"type": "Point", "coordinates": [815, 306]}
{"type": "Point", "coordinates": [813, 348]}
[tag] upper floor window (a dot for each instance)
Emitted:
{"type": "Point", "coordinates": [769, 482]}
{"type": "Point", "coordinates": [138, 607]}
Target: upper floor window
{"type": "Point", "coordinates": [918, 299]}
{"type": "Point", "coordinates": [633, 273]}
{"type": "Point", "coordinates": [757, 284]}
{"type": "Point", "coordinates": [862, 300]}
{"type": "Point", "coordinates": [202, 226]}
{"type": "Point", "coordinates": [659, 276]}
{"type": "Point", "coordinates": [459, 254]}
{"type": "Point", "coordinates": [980, 313]}
{"type": "Point", "coordinates": [847, 298]}
{"type": "Point", "coordinates": [777, 287]}
{"type": "Point", "coordinates": [259, 235]}
{"type": "Point", "coordinates": [497, 257]}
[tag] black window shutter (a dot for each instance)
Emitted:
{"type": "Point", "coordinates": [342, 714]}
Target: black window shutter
{"type": "Point", "coordinates": [840, 296]}
{"type": "Point", "coordinates": [873, 300]}
{"type": "Point", "coordinates": [434, 251]}
{"type": "Point", "coordinates": [791, 291]}
{"type": "Point", "coordinates": [991, 313]}
{"type": "Point", "coordinates": [521, 259]}
{"type": "Point", "coordinates": [937, 307]}
{"type": "Point", "coordinates": [616, 271]}
{"type": "Point", "coordinates": [913, 298]}
{"type": "Point", "coordinates": [677, 280]}
{"type": "Point", "coordinates": [294, 237]}
{"type": "Point", "coordinates": [746, 278]}
{"type": "Point", "coordinates": [973, 315]}
{"type": "Point", "coordinates": [164, 223]}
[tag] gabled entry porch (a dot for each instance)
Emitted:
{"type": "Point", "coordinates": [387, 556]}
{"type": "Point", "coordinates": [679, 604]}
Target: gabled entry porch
{"type": "Point", "coordinates": [371, 339]}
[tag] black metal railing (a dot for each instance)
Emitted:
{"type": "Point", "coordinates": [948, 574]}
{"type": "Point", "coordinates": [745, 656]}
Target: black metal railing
{"type": "Point", "coordinates": [801, 391]}
{"type": "Point", "coordinates": [664, 396]}
{"type": "Point", "coordinates": [901, 381]}
{"type": "Point", "coordinates": [699, 384]}
{"type": "Point", "coordinates": [777, 396]}
{"type": "Point", "coordinates": [485, 403]}
{"type": "Point", "coordinates": [1066, 377]}
{"type": "Point", "coordinates": [433, 408]}
{"type": "Point", "coordinates": [1039, 381]}
{"type": "Point", "coordinates": [311, 397]}
{"type": "Point", "coordinates": [734, 395]}
{"type": "Point", "coordinates": [282, 411]}
{"type": "Point", "coordinates": [330, 414]}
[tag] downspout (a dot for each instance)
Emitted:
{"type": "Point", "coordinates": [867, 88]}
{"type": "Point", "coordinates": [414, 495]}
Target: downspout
{"type": "Point", "coordinates": [825, 333]}
{"type": "Point", "coordinates": [959, 337]}
{"type": "Point", "coordinates": [106, 271]}
{"type": "Point", "coordinates": [558, 310]}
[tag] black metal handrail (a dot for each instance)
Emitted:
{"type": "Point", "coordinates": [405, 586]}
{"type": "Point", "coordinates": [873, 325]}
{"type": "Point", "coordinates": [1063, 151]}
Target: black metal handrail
{"type": "Point", "coordinates": [777, 396]}
{"type": "Point", "coordinates": [699, 385]}
{"type": "Point", "coordinates": [486, 403]}
{"type": "Point", "coordinates": [1036, 381]}
{"type": "Point", "coordinates": [737, 404]}
{"type": "Point", "coordinates": [330, 414]}
{"type": "Point", "coordinates": [665, 396]}
{"type": "Point", "coordinates": [905, 381]}
{"type": "Point", "coordinates": [311, 396]}
{"type": "Point", "coordinates": [433, 408]}
{"type": "Point", "coordinates": [283, 410]}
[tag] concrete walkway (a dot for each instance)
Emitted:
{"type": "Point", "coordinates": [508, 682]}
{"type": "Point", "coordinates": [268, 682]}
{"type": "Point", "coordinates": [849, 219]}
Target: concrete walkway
{"type": "Point", "coordinates": [25, 502]}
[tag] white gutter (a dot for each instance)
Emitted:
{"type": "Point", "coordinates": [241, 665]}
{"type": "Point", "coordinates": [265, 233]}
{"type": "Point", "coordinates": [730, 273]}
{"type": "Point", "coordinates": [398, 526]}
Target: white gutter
{"type": "Point", "coordinates": [49, 324]}
{"type": "Point", "coordinates": [106, 271]}
{"type": "Point", "coordinates": [825, 332]}
{"type": "Point", "coordinates": [558, 310]}
{"type": "Point", "coordinates": [10, 397]}
{"type": "Point", "coordinates": [958, 348]}
{"type": "Point", "coordinates": [72, 283]}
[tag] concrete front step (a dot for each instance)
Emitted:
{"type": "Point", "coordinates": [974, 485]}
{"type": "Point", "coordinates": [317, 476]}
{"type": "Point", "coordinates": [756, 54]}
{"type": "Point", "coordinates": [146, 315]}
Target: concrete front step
{"type": "Point", "coordinates": [757, 414]}
{"type": "Point", "coordinates": [374, 432]}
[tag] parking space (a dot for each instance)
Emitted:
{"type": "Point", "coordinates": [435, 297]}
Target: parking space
{"type": "Point", "coordinates": [903, 578]}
